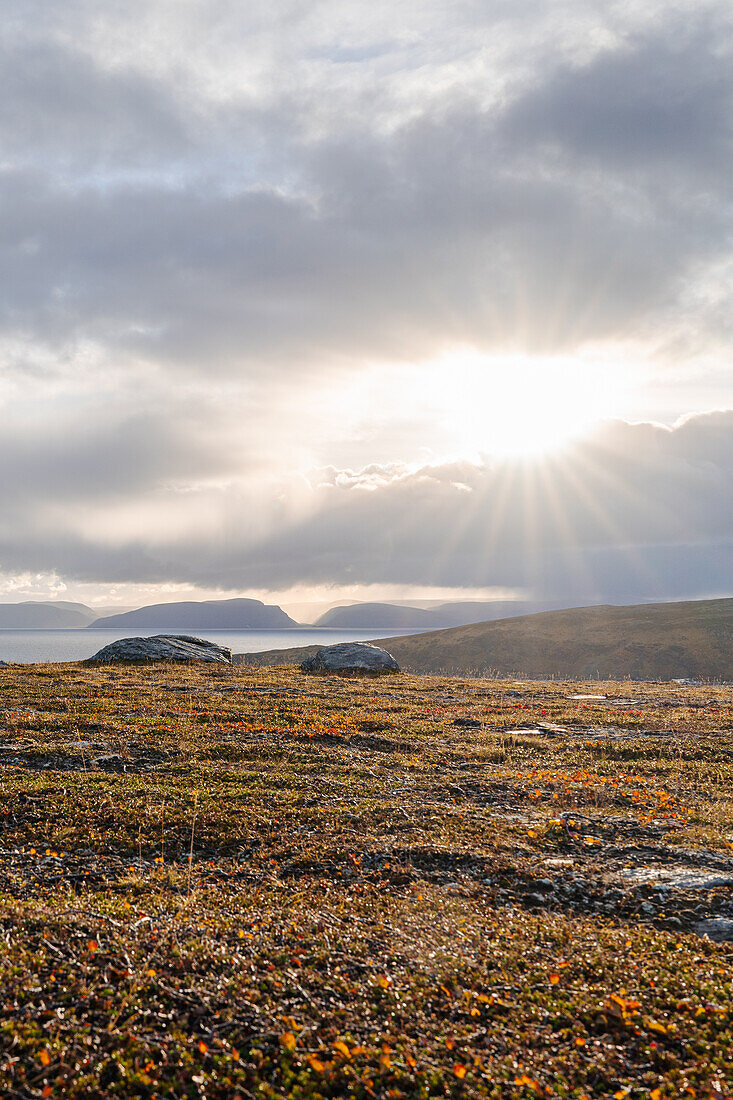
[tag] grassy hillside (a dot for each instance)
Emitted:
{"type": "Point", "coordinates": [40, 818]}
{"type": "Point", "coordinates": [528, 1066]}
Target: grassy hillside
{"type": "Point", "coordinates": [223, 882]}
{"type": "Point", "coordinates": [647, 641]}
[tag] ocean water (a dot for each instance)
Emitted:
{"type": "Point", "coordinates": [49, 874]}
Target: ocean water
{"type": "Point", "coordinates": [28, 646]}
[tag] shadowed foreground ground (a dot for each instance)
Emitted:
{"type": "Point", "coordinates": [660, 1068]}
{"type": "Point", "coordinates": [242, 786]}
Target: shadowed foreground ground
{"type": "Point", "coordinates": [227, 881]}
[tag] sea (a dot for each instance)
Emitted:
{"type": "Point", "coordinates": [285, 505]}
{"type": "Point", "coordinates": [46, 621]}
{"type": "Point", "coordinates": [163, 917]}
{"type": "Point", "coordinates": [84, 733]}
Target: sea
{"type": "Point", "coordinates": [30, 646]}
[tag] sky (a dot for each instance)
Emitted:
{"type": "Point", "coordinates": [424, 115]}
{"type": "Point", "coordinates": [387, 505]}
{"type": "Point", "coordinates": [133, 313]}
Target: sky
{"type": "Point", "coordinates": [366, 300]}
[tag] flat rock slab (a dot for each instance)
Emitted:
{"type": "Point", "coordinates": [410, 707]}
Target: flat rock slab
{"type": "Point", "coordinates": [676, 878]}
{"type": "Point", "coordinates": [548, 729]}
{"type": "Point", "coordinates": [719, 929]}
{"type": "Point", "coordinates": [164, 647]}
{"type": "Point", "coordinates": [355, 657]}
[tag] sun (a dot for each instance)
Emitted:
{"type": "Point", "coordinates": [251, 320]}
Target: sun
{"type": "Point", "coordinates": [520, 406]}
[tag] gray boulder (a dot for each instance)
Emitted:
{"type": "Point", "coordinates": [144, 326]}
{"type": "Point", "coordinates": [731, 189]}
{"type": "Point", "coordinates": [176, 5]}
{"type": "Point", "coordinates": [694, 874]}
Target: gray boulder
{"type": "Point", "coordinates": [359, 657]}
{"type": "Point", "coordinates": [164, 647]}
{"type": "Point", "coordinates": [719, 929]}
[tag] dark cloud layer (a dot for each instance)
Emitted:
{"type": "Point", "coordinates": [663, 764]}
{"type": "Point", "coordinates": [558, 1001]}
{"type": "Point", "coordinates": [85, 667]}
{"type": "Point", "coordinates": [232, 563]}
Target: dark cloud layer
{"type": "Point", "coordinates": [660, 101]}
{"type": "Point", "coordinates": [63, 108]}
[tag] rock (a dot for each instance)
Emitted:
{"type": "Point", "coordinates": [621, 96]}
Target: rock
{"type": "Point", "coordinates": [678, 878]}
{"type": "Point", "coordinates": [164, 647]}
{"type": "Point", "coordinates": [470, 723]}
{"type": "Point", "coordinates": [718, 928]}
{"type": "Point", "coordinates": [534, 899]}
{"type": "Point", "coordinates": [113, 762]}
{"type": "Point", "coordinates": [351, 657]}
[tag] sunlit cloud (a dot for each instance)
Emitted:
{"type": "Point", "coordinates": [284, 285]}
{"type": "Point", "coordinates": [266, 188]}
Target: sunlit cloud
{"type": "Point", "coordinates": [626, 511]}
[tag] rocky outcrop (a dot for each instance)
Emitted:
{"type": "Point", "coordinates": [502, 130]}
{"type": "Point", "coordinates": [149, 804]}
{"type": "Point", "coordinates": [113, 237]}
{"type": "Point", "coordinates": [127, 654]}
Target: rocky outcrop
{"type": "Point", "coordinates": [164, 647]}
{"type": "Point", "coordinates": [351, 657]}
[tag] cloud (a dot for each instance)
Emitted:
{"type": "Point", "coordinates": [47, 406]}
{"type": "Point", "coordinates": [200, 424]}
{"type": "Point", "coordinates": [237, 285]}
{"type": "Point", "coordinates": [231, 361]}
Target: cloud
{"type": "Point", "coordinates": [82, 462]}
{"type": "Point", "coordinates": [634, 511]}
{"type": "Point", "coordinates": [219, 229]}
{"type": "Point", "coordinates": [220, 223]}
{"type": "Point", "coordinates": [63, 108]}
{"type": "Point", "coordinates": [658, 101]}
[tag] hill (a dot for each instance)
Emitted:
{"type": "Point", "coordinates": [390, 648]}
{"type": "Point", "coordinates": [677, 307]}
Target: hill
{"type": "Point", "coordinates": [40, 615]}
{"type": "Point", "coordinates": [238, 614]}
{"type": "Point", "coordinates": [369, 616]}
{"type": "Point", "coordinates": [646, 641]}
{"type": "Point", "coordinates": [463, 612]}
{"type": "Point", "coordinates": [393, 615]}
{"type": "Point", "coordinates": [221, 882]}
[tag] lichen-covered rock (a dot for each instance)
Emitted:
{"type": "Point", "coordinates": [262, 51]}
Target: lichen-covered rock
{"type": "Point", "coordinates": [355, 657]}
{"type": "Point", "coordinates": [164, 647]}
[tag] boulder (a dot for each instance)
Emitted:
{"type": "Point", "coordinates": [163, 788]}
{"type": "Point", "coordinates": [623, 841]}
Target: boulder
{"type": "Point", "coordinates": [719, 929]}
{"type": "Point", "coordinates": [164, 647]}
{"type": "Point", "coordinates": [358, 657]}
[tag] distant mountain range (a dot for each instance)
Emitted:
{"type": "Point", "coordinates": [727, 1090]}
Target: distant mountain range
{"type": "Point", "coordinates": [247, 614]}
{"type": "Point", "coordinates": [645, 642]}
{"type": "Point", "coordinates": [237, 614]}
{"type": "Point", "coordinates": [394, 616]}
{"type": "Point", "coordinates": [39, 615]}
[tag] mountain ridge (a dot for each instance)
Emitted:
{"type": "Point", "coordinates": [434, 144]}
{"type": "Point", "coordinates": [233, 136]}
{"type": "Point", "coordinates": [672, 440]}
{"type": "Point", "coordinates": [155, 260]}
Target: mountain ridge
{"type": "Point", "coordinates": [44, 615]}
{"type": "Point", "coordinates": [235, 614]}
{"type": "Point", "coordinates": [368, 615]}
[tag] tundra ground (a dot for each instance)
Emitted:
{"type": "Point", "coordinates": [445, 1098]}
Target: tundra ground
{"type": "Point", "coordinates": [220, 882]}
